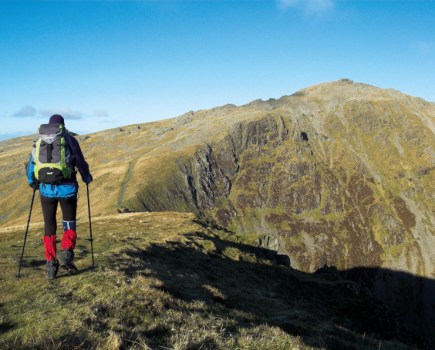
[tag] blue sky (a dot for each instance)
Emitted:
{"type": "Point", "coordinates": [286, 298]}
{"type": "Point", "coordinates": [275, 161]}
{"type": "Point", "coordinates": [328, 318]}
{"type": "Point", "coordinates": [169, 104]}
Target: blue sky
{"type": "Point", "coordinates": [104, 64]}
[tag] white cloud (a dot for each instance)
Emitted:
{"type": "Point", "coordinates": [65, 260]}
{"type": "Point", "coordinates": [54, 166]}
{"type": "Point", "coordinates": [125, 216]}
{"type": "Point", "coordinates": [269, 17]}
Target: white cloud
{"type": "Point", "coordinates": [308, 6]}
{"type": "Point", "coordinates": [67, 113]}
{"type": "Point", "coordinates": [27, 111]}
{"type": "Point", "coordinates": [101, 113]}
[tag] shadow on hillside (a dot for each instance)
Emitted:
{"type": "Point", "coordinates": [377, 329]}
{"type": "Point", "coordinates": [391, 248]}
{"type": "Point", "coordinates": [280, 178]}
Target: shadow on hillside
{"type": "Point", "coordinates": [32, 263]}
{"type": "Point", "coordinates": [65, 274]}
{"type": "Point", "coordinates": [411, 297]}
{"type": "Point", "coordinates": [5, 326]}
{"type": "Point", "coordinates": [325, 309]}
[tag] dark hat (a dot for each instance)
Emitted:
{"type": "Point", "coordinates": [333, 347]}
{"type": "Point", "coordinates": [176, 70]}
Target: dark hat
{"type": "Point", "coordinates": [56, 119]}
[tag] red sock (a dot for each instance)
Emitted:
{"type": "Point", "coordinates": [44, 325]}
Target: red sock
{"type": "Point", "coordinates": [50, 247]}
{"type": "Point", "coordinates": [69, 240]}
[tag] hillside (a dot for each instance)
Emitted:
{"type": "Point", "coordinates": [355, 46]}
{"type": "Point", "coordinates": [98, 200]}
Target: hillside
{"type": "Point", "coordinates": [168, 281]}
{"type": "Point", "coordinates": [338, 174]}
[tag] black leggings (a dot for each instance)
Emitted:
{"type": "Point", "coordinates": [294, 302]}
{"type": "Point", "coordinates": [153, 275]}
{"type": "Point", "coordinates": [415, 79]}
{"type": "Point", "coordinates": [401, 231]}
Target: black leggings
{"type": "Point", "coordinates": [49, 208]}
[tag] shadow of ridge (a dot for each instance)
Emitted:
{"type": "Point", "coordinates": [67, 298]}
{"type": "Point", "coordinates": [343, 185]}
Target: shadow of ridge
{"type": "Point", "coordinates": [325, 311]}
{"type": "Point", "coordinates": [411, 297]}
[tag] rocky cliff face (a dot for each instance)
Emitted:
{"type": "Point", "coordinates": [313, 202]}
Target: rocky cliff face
{"type": "Point", "coordinates": [342, 179]}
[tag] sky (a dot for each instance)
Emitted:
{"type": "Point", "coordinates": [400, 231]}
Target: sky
{"type": "Point", "coordinates": [105, 64]}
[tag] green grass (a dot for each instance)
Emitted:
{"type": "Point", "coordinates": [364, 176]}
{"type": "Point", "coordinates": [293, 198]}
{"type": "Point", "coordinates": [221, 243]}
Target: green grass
{"type": "Point", "coordinates": [167, 281]}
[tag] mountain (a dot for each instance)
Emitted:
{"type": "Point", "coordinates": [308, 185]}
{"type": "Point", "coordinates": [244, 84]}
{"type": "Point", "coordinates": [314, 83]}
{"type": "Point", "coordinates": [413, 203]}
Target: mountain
{"type": "Point", "coordinates": [341, 172]}
{"type": "Point", "coordinates": [338, 174]}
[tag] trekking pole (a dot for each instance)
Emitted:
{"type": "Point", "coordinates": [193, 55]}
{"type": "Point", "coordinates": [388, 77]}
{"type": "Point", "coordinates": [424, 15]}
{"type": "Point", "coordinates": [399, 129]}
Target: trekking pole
{"type": "Point", "coordinates": [25, 236]}
{"type": "Point", "coordinates": [90, 227]}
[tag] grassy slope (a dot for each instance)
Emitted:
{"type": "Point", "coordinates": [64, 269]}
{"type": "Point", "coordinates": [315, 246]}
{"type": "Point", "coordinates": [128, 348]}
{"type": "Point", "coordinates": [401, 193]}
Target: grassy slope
{"type": "Point", "coordinates": [167, 281]}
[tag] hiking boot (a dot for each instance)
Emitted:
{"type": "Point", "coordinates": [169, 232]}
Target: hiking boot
{"type": "Point", "coordinates": [66, 261]}
{"type": "Point", "coordinates": [52, 269]}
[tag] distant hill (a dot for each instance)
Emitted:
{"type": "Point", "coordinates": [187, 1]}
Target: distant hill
{"type": "Point", "coordinates": [341, 174]}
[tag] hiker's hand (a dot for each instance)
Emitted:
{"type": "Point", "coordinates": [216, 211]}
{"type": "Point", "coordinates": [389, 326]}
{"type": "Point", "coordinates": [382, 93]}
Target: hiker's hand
{"type": "Point", "coordinates": [88, 179]}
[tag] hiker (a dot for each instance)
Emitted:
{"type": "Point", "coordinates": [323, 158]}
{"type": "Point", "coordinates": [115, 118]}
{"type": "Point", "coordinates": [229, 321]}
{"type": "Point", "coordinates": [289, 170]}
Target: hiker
{"type": "Point", "coordinates": [51, 170]}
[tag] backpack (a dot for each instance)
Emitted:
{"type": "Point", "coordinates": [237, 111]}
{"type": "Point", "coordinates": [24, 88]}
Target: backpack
{"type": "Point", "coordinates": [52, 155]}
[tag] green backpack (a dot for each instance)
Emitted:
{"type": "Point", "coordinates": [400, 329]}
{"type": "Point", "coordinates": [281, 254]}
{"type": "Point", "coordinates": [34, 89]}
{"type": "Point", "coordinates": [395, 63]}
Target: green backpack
{"type": "Point", "coordinates": [52, 155]}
